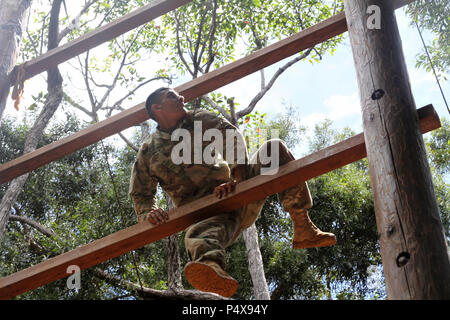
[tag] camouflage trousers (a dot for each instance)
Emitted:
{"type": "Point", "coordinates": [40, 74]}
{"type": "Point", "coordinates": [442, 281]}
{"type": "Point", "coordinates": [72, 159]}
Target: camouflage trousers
{"type": "Point", "coordinates": [208, 239]}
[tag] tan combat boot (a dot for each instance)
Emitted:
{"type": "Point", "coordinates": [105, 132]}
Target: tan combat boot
{"type": "Point", "coordinates": [306, 234]}
{"type": "Point", "coordinates": [208, 276]}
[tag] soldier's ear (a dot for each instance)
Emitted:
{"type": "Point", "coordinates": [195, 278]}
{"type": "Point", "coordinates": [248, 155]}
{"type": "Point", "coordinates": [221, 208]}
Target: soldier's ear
{"type": "Point", "coordinates": [156, 107]}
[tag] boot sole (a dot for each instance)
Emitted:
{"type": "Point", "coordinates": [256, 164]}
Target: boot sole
{"type": "Point", "coordinates": [204, 278]}
{"type": "Point", "coordinates": [305, 244]}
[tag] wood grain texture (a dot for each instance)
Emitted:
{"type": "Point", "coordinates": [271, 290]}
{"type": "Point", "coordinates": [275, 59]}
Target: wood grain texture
{"type": "Point", "coordinates": [190, 90]}
{"type": "Point", "coordinates": [136, 236]}
{"type": "Point", "coordinates": [412, 241]}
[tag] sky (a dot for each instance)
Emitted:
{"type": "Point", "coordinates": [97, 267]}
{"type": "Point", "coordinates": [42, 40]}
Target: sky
{"type": "Point", "coordinates": [319, 91]}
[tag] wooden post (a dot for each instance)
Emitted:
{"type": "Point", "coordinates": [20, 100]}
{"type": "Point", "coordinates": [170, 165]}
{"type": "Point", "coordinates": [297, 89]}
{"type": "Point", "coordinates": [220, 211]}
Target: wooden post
{"type": "Point", "coordinates": [412, 241]}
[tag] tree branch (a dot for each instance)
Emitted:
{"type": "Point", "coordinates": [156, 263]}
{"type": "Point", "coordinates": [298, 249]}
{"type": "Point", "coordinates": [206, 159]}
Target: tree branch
{"type": "Point", "coordinates": [39, 227]}
{"type": "Point", "coordinates": [75, 22]}
{"type": "Point", "coordinates": [232, 111]}
{"type": "Point", "coordinates": [261, 94]}
{"type": "Point", "coordinates": [34, 45]}
{"type": "Point", "coordinates": [211, 56]}
{"type": "Point", "coordinates": [263, 79]}
{"type": "Point", "coordinates": [117, 104]}
{"type": "Point", "coordinates": [148, 293]}
{"type": "Point", "coordinates": [213, 104]}
{"type": "Point", "coordinates": [85, 73]}
{"type": "Point", "coordinates": [180, 53]}
{"type": "Point", "coordinates": [196, 59]}
{"type": "Point", "coordinates": [128, 142]}
{"type": "Point", "coordinates": [76, 105]}
{"type": "Point", "coordinates": [53, 29]}
{"type": "Point", "coordinates": [125, 52]}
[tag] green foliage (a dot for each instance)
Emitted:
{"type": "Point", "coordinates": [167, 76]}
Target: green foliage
{"type": "Point", "coordinates": [437, 146]}
{"type": "Point", "coordinates": [433, 15]}
{"type": "Point", "coordinates": [204, 36]}
{"type": "Point", "coordinates": [75, 198]}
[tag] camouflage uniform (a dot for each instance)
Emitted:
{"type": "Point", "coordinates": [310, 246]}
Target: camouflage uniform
{"type": "Point", "coordinates": [207, 239]}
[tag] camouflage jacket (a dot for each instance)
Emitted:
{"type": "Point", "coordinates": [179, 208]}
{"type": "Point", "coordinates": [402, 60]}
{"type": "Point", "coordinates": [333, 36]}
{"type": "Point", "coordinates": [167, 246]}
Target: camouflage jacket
{"type": "Point", "coordinates": [183, 182]}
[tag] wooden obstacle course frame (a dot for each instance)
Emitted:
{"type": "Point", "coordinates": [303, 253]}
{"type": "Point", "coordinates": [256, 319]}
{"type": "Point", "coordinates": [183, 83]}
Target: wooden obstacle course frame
{"type": "Point", "coordinates": [136, 236]}
{"type": "Point", "coordinates": [247, 191]}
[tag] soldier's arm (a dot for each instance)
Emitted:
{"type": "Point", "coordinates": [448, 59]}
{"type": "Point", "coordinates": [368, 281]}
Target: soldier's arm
{"type": "Point", "coordinates": [142, 187]}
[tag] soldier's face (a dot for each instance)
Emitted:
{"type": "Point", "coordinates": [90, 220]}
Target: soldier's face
{"type": "Point", "coordinates": [171, 108]}
{"type": "Point", "coordinates": [172, 102]}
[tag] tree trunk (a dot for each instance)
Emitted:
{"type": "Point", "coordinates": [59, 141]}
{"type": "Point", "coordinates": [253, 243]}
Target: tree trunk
{"type": "Point", "coordinates": [54, 98]}
{"type": "Point", "coordinates": [255, 264]}
{"type": "Point", "coordinates": [412, 242]}
{"type": "Point", "coordinates": [173, 257]}
{"type": "Point", "coordinates": [12, 18]}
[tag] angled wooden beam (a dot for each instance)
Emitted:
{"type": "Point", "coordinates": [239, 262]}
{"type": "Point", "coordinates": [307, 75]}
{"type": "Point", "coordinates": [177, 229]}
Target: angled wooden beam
{"type": "Point", "coordinates": [112, 30]}
{"type": "Point", "coordinates": [190, 90]}
{"type": "Point", "coordinates": [136, 236]}
{"type": "Point", "coordinates": [96, 37]}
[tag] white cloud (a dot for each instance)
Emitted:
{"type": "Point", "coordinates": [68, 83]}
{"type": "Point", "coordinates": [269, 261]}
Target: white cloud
{"type": "Point", "coordinates": [420, 77]}
{"type": "Point", "coordinates": [314, 118]}
{"type": "Point", "coordinates": [343, 110]}
{"type": "Point", "coordinates": [342, 106]}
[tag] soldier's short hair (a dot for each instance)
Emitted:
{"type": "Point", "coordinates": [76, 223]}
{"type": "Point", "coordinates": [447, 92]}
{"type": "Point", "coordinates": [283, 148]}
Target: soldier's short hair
{"type": "Point", "coordinates": [154, 97]}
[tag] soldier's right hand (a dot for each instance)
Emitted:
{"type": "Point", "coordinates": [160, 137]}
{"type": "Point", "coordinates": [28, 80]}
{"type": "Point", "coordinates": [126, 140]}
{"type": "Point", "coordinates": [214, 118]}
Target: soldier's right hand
{"type": "Point", "coordinates": [157, 216]}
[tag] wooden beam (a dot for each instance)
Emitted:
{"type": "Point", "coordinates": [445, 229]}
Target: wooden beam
{"type": "Point", "coordinates": [412, 240]}
{"type": "Point", "coordinates": [96, 37]}
{"type": "Point", "coordinates": [190, 90]}
{"type": "Point", "coordinates": [136, 236]}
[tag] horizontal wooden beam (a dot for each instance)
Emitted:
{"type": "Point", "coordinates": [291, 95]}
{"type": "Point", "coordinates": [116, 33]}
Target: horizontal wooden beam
{"type": "Point", "coordinates": [257, 188]}
{"type": "Point", "coordinates": [190, 90]}
{"type": "Point", "coordinates": [90, 40]}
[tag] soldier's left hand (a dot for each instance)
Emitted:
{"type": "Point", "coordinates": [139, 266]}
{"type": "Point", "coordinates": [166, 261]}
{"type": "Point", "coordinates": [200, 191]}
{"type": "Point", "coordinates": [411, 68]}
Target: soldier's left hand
{"type": "Point", "coordinates": [224, 189]}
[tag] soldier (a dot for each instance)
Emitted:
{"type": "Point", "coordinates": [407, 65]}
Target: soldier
{"type": "Point", "coordinates": [184, 182]}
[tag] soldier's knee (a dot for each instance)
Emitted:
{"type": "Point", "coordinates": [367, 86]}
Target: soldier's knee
{"type": "Point", "coordinates": [278, 148]}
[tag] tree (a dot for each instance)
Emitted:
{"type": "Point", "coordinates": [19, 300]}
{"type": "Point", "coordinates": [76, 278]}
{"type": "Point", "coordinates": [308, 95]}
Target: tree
{"type": "Point", "coordinates": [13, 14]}
{"type": "Point", "coordinates": [437, 145]}
{"type": "Point", "coordinates": [70, 202]}
{"type": "Point", "coordinates": [52, 102]}
{"type": "Point", "coordinates": [206, 33]}
{"type": "Point", "coordinates": [433, 16]}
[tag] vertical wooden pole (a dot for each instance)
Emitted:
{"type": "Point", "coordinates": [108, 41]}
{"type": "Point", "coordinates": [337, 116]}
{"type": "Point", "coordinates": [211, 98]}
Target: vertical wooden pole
{"type": "Point", "coordinates": [412, 241]}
